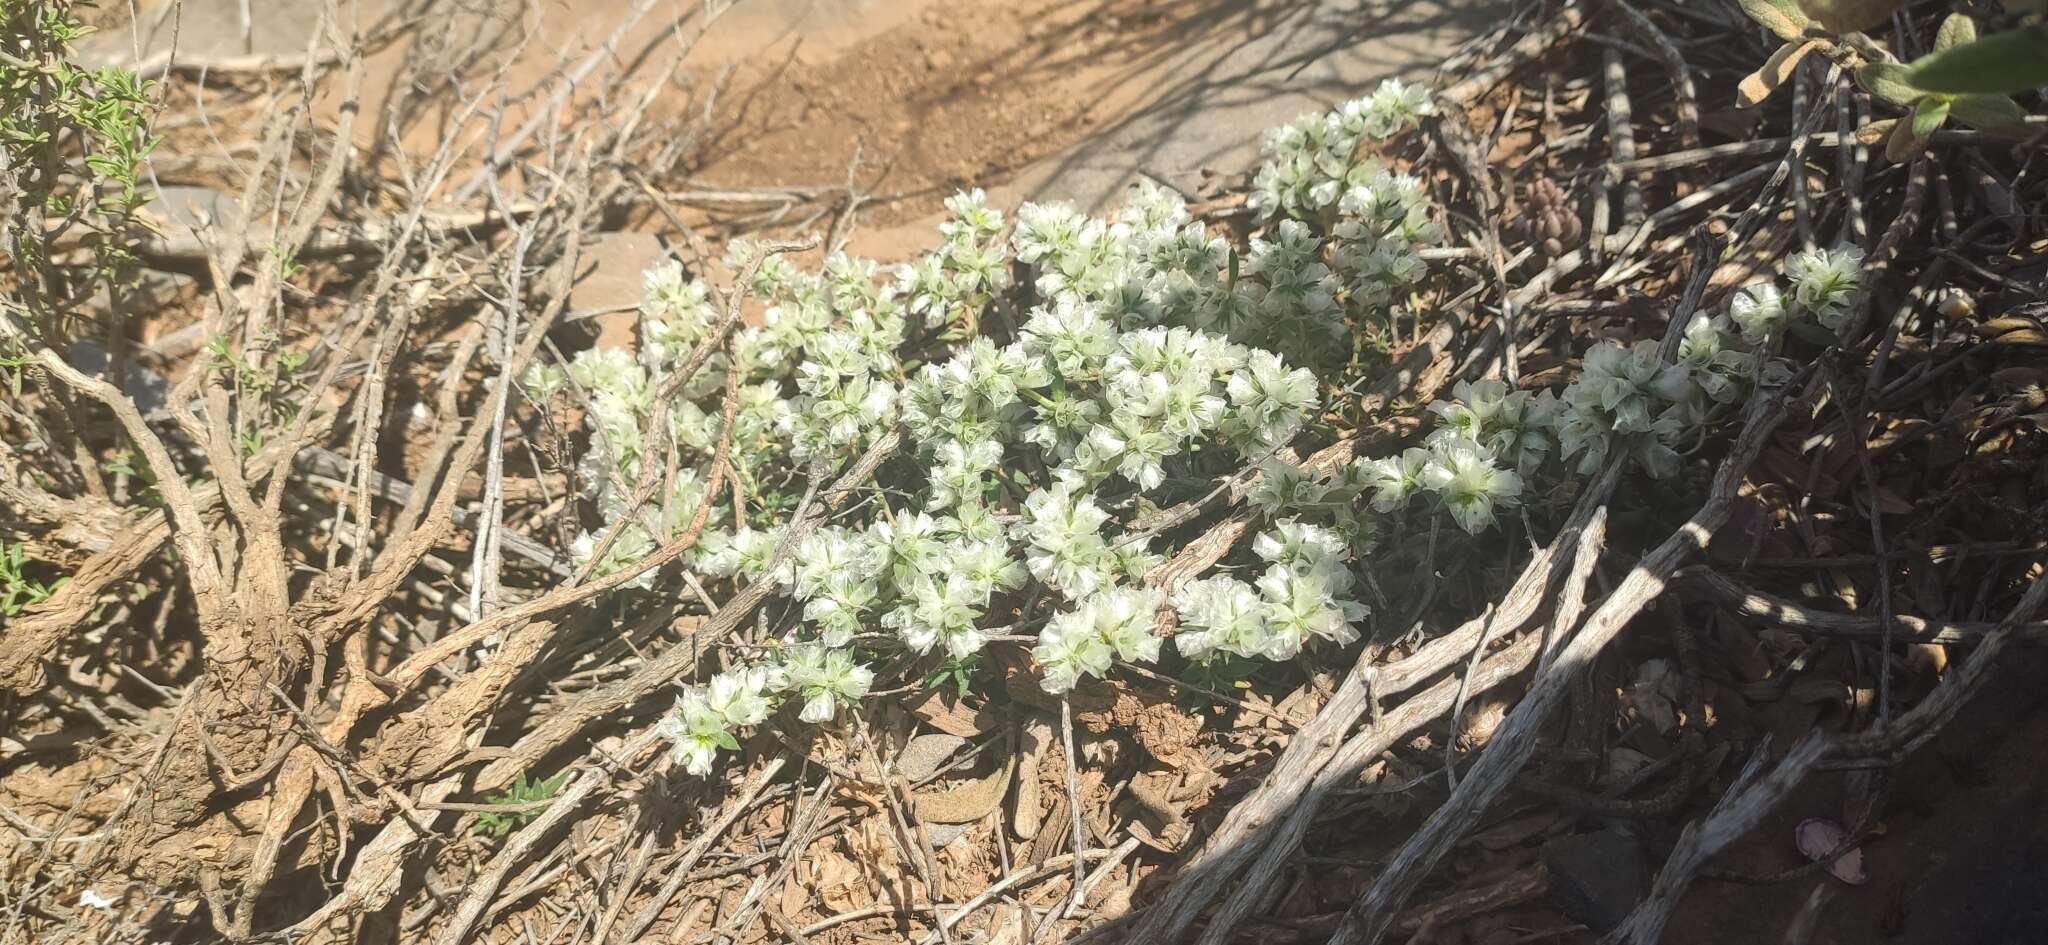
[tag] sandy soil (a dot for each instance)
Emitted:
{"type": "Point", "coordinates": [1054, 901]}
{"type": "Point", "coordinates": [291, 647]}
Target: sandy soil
{"type": "Point", "coordinates": [913, 99]}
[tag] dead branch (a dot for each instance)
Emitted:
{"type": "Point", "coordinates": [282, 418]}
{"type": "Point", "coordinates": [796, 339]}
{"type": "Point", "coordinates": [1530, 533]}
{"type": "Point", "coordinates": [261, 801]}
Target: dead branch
{"type": "Point", "coordinates": [1370, 917]}
{"type": "Point", "coordinates": [1786, 615]}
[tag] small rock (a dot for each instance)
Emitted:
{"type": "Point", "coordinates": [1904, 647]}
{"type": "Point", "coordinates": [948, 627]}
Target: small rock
{"type": "Point", "coordinates": [1596, 878]}
{"type": "Point", "coordinates": [943, 835]}
{"type": "Point", "coordinates": [922, 757]}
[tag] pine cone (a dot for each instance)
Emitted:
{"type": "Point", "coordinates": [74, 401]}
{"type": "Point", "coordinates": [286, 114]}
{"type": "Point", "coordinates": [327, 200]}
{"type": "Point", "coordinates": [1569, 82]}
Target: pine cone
{"type": "Point", "coordinates": [1548, 218]}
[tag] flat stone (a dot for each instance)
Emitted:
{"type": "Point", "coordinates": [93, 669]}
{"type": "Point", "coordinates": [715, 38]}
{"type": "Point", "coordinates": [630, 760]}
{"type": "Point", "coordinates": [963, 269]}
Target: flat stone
{"type": "Point", "coordinates": [1596, 878]}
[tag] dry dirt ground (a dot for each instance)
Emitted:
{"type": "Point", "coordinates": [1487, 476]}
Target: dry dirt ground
{"type": "Point", "coordinates": [911, 100]}
{"type": "Point", "coordinates": [1072, 100]}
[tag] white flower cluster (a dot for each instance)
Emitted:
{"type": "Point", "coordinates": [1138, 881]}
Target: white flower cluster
{"type": "Point", "coordinates": [948, 286]}
{"type": "Point", "coordinates": [1112, 380]}
{"type": "Point", "coordinates": [1628, 397]}
{"type": "Point", "coordinates": [1081, 642]}
{"type": "Point", "coordinates": [1823, 282]}
{"type": "Point", "coordinates": [816, 376]}
{"type": "Point", "coordinates": [1148, 349]}
{"type": "Point", "coordinates": [706, 717]}
{"type": "Point", "coordinates": [1313, 162]}
{"type": "Point", "coordinates": [1315, 174]}
{"type": "Point", "coordinates": [1303, 594]}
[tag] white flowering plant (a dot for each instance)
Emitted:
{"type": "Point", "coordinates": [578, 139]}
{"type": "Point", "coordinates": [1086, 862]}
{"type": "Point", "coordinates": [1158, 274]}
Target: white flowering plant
{"type": "Point", "coordinates": [1151, 358]}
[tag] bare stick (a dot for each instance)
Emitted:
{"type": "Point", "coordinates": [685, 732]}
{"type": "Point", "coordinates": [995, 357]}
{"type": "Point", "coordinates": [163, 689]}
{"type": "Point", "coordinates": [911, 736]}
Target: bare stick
{"type": "Point", "coordinates": [1370, 917]}
{"type": "Point", "coordinates": [1261, 821]}
{"type": "Point", "coordinates": [1688, 106]}
{"type": "Point", "coordinates": [501, 155]}
{"type": "Point", "coordinates": [739, 805]}
{"type": "Point", "coordinates": [485, 886]}
{"type": "Point", "coordinates": [1398, 723]}
{"type": "Point", "coordinates": [1799, 618]}
{"type": "Point", "coordinates": [1073, 802]}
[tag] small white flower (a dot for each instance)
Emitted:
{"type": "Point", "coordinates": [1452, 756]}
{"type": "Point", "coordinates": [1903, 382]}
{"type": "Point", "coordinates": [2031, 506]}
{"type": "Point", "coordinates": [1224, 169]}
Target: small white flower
{"type": "Point", "coordinates": [1283, 487]}
{"type": "Point", "coordinates": [632, 545]}
{"type": "Point", "coordinates": [1394, 479]}
{"type": "Point", "coordinates": [1758, 309]}
{"type": "Point", "coordinates": [1068, 649]}
{"type": "Point", "coordinates": [696, 731]}
{"type": "Point", "coordinates": [1302, 605]}
{"type": "Point", "coordinates": [1082, 642]}
{"type": "Point", "coordinates": [1270, 401]}
{"type": "Point", "coordinates": [1124, 617]}
{"type": "Point", "coordinates": [1300, 546]}
{"type": "Point", "coordinates": [1824, 280]}
{"type": "Point", "coordinates": [542, 380]}
{"type": "Point", "coordinates": [1219, 614]}
{"type": "Point", "coordinates": [1062, 535]}
{"type": "Point", "coordinates": [1464, 475]}
{"type": "Point", "coordinates": [824, 678]}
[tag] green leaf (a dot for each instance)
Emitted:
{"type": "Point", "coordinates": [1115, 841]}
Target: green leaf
{"type": "Point", "coordinates": [1889, 81]}
{"type": "Point", "coordinates": [1955, 31]}
{"type": "Point", "coordinates": [1993, 113]}
{"type": "Point", "coordinates": [1783, 17]}
{"type": "Point", "coordinates": [1999, 64]}
{"type": "Point", "coordinates": [1929, 114]}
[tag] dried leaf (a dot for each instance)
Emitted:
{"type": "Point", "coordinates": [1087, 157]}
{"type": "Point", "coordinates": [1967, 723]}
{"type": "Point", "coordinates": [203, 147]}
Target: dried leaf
{"type": "Point", "coordinates": [2017, 378]}
{"type": "Point", "coordinates": [1817, 837]}
{"type": "Point", "coordinates": [1876, 131]}
{"type": "Point", "coordinates": [1654, 696]}
{"type": "Point", "coordinates": [1759, 85]}
{"type": "Point", "coordinates": [2014, 330]}
{"type": "Point", "coordinates": [953, 716]}
{"type": "Point", "coordinates": [921, 758]}
{"type": "Point", "coordinates": [968, 801]}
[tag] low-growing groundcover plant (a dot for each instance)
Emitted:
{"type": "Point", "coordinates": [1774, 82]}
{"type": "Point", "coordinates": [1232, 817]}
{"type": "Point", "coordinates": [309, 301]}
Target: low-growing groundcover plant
{"type": "Point", "coordinates": [1134, 361]}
